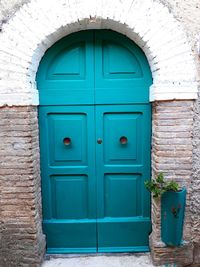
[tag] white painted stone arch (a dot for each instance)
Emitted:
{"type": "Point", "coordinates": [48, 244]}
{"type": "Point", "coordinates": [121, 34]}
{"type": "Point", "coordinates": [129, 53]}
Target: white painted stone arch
{"type": "Point", "coordinates": [40, 23]}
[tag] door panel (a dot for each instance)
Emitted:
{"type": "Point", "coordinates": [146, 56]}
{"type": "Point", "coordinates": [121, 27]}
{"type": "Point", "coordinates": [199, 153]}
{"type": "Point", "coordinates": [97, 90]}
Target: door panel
{"type": "Point", "coordinates": [76, 206]}
{"type": "Point", "coordinates": [94, 67]}
{"type": "Point", "coordinates": [123, 235]}
{"type": "Point", "coordinates": [69, 182]}
{"type": "Point", "coordinates": [63, 76]}
{"type": "Point", "coordinates": [70, 236]}
{"type": "Point", "coordinates": [121, 170]}
{"type": "Point", "coordinates": [126, 187]}
{"type": "Point", "coordinates": [72, 128]}
{"type": "Point", "coordinates": [117, 126]}
{"type": "Point", "coordinates": [122, 74]}
{"type": "Point", "coordinates": [69, 64]}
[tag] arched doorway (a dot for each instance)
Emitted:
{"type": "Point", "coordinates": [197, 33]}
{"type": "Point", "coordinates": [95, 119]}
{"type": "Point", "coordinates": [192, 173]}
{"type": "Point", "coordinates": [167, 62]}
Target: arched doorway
{"type": "Point", "coordinates": [95, 139]}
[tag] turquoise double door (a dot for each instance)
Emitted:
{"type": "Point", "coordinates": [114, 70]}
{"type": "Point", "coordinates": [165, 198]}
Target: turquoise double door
{"type": "Point", "coordinates": [95, 136]}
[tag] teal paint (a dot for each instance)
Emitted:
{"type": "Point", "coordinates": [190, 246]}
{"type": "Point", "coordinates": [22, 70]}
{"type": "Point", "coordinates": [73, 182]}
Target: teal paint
{"type": "Point", "coordinates": [95, 136]}
{"type": "Point", "coordinates": [122, 201]}
{"type": "Point", "coordinates": [68, 177]}
{"type": "Point", "coordinates": [172, 217]}
{"type": "Point", "coordinates": [102, 67]}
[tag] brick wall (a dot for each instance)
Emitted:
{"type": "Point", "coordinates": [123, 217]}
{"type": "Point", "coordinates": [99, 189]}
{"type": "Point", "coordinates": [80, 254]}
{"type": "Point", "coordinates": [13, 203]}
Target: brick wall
{"type": "Point", "coordinates": [172, 133]}
{"type": "Point", "coordinates": [21, 239]}
{"type": "Point", "coordinates": [195, 198]}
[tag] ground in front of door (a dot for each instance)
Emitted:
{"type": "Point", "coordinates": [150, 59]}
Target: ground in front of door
{"type": "Point", "coordinates": [124, 260]}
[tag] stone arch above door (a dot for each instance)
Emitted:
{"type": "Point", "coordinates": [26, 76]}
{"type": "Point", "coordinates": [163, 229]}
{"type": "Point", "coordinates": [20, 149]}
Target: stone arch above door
{"type": "Point", "coordinates": [37, 26]}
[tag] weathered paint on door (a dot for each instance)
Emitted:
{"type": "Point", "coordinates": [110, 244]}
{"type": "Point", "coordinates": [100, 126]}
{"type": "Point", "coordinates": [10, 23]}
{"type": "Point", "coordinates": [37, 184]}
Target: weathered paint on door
{"type": "Point", "coordinates": [95, 144]}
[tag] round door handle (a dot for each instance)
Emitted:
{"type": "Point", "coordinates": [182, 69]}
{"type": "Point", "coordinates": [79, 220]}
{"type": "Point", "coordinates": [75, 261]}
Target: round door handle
{"type": "Point", "coordinates": [67, 141]}
{"type": "Point", "coordinates": [123, 140]}
{"type": "Point", "coordinates": [99, 141]}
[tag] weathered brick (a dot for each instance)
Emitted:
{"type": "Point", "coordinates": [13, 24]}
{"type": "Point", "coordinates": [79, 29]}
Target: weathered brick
{"type": "Point", "coordinates": [172, 154]}
{"type": "Point", "coordinates": [22, 242]}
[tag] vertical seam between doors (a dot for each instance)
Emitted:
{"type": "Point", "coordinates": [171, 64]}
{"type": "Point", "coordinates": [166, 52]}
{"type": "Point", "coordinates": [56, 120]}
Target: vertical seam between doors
{"type": "Point", "coordinates": [95, 132]}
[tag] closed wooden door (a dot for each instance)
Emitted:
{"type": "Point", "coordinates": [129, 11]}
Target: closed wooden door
{"type": "Point", "coordinates": [95, 129]}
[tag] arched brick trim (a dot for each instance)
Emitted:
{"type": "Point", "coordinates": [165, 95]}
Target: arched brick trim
{"type": "Point", "coordinates": [37, 25]}
{"type": "Point", "coordinates": [24, 40]}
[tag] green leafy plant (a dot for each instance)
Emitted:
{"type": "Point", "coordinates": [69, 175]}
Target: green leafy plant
{"type": "Point", "coordinates": [159, 185]}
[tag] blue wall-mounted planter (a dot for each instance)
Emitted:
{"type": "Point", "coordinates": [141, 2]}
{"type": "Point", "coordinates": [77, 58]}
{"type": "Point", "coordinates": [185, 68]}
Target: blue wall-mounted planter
{"type": "Point", "coordinates": [172, 217]}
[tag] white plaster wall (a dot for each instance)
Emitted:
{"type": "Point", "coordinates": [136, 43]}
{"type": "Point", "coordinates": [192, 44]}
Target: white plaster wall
{"type": "Point", "coordinates": [188, 13]}
{"type": "Point", "coordinates": [8, 9]}
{"type": "Point", "coordinates": [38, 24]}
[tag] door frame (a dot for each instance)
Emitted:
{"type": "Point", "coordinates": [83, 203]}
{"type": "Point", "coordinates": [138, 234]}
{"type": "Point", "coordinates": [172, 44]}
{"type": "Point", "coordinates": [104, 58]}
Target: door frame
{"type": "Point", "coordinates": [137, 83]}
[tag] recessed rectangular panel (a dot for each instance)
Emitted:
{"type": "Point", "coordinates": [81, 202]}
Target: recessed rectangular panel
{"type": "Point", "coordinates": [67, 138]}
{"type": "Point", "coordinates": [123, 236]}
{"type": "Point", "coordinates": [70, 237]}
{"type": "Point", "coordinates": [121, 70]}
{"type": "Point", "coordinates": [118, 127]}
{"type": "Point", "coordinates": [123, 66]}
{"type": "Point", "coordinates": [69, 196]}
{"type": "Point", "coordinates": [66, 72]}
{"type": "Point", "coordinates": [122, 196]}
{"type": "Point", "coordinates": [69, 64]}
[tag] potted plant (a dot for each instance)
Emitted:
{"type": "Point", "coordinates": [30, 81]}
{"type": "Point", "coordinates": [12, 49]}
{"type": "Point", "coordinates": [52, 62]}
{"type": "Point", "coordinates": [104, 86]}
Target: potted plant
{"type": "Point", "coordinates": [173, 200]}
